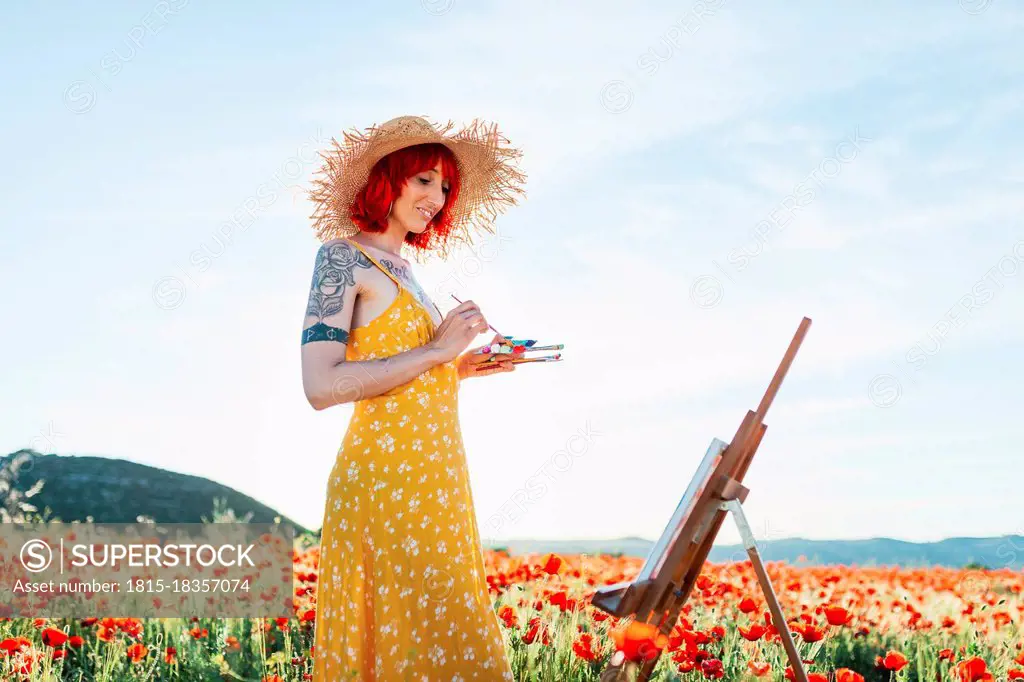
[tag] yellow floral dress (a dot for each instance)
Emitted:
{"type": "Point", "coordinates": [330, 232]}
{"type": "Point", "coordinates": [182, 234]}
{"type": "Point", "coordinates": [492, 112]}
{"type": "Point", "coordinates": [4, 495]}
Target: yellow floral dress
{"type": "Point", "coordinates": [402, 593]}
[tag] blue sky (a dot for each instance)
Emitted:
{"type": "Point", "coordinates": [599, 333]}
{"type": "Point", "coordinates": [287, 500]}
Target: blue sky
{"type": "Point", "coordinates": [701, 176]}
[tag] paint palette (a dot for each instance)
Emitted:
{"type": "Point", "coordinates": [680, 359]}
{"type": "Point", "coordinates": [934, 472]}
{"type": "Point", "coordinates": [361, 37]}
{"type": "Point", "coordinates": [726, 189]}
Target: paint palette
{"type": "Point", "coordinates": [519, 346]}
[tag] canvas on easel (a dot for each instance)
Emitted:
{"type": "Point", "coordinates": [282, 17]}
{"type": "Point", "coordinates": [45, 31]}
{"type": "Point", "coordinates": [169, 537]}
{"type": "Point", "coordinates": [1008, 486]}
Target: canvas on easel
{"type": "Point", "coordinates": [667, 577]}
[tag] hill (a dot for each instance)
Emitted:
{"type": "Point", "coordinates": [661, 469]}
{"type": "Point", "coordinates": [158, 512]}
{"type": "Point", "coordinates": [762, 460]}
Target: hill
{"type": "Point", "coordinates": [998, 552]}
{"type": "Point", "coordinates": [119, 491]}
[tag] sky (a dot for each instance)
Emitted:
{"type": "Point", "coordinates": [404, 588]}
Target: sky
{"type": "Point", "coordinates": [701, 176]}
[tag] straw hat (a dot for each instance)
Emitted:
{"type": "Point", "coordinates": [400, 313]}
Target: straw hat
{"type": "Point", "coordinates": [490, 182]}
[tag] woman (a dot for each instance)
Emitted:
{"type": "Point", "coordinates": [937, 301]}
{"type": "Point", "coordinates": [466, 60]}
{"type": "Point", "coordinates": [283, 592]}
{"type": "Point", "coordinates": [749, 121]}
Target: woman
{"type": "Point", "coordinates": [402, 593]}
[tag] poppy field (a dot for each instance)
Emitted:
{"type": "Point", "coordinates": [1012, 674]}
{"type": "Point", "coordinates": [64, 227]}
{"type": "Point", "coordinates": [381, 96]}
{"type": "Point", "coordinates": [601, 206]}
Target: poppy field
{"type": "Point", "coordinates": [849, 623]}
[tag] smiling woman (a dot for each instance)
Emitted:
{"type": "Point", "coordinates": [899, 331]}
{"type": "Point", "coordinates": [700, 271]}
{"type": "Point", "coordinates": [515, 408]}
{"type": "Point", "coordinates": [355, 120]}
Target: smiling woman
{"type": "Point", "coordinates": [426, 199]}
{"type": "Point", "coordinates": [401, 591]}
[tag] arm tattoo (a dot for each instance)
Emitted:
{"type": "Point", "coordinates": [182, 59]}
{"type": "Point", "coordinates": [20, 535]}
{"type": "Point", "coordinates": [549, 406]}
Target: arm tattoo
{"type": "Point", "coordinates": [333, 272]}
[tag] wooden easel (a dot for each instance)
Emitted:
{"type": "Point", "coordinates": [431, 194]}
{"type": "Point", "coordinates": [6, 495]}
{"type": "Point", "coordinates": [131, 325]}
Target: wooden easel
{"type": "Point", "coordinates": [667, 578]}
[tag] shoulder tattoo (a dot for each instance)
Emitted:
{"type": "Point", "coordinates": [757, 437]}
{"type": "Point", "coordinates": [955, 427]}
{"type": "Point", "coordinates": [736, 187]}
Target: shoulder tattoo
{"type": "Point", "coordinates": [333, 272]}
{"type": "Point", "coordinates": [403, 273]}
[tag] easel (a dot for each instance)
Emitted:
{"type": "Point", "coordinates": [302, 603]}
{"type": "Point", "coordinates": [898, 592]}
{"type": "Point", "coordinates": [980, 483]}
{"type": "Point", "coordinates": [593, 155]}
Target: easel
{"type": "Point", "coordinates": [667, 577]}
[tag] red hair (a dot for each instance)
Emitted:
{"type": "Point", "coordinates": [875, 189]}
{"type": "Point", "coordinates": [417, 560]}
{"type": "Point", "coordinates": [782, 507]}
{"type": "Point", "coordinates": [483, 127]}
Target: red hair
{"type": "Point", "coordinates": [388, 176]}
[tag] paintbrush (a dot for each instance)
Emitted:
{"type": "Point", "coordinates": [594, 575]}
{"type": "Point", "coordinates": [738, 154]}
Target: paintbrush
{"type": "Point", "coordinates": [515, 361]}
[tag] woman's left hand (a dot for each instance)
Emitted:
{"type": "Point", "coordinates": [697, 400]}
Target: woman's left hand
{"type": "Point", "coordinates": [469, 362]}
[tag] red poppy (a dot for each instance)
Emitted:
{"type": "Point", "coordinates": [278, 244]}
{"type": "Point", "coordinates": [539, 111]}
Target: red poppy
{"type": "Point", "coordinates": [847, 675]}
{"type": "Point", "coordinates": [972, 670]}
{"type": "Point", "coordinates": [893, 660]}
{"type": "Point", "coordinates": [508, 615]}
{"type": "Point", "coordinates": [837, 615]}
{"type": "Point", "coordinates": [753, 633]}
{"type": "Point", "coordinates": [552, 564]}
{"type": "Point", "coordinates": [639, 641]}
{"type": "Point", "coordinates": [811, 633]}
{"type": "Point", "coordinates": [136, 652]}
{"type": "Point", "coordinates": [53, 637]}
{"type": "Point", "coordinates": [583, 647]}
{"type": "Point", "coordinates": [712, 669]}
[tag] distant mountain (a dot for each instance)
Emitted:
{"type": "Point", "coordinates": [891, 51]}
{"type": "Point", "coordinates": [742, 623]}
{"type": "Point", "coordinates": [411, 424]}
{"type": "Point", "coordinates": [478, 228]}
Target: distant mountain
{"type": "Point", "coordinates": [118, 491]}
{"type": "Point", "coordinates": [1000, 552]}
{"type": "Point", "coordinates": [628, 546]}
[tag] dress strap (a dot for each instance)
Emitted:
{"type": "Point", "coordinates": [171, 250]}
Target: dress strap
{"type": "Point", "coordinates": [398, 282]}
{"type": "Point", "coordinates": [373, 260]}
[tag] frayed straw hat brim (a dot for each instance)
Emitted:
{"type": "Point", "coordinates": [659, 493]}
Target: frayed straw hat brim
{"type": "Point", "coordinates": [490, 179]}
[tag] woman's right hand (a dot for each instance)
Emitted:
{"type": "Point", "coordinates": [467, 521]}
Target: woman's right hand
{"type": "Point", "coordinates": [460, 326]}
